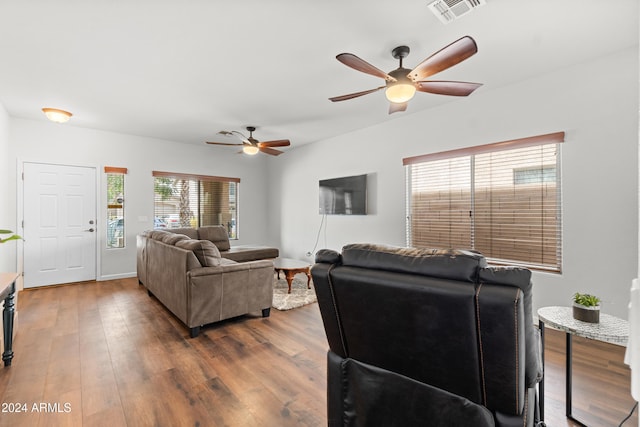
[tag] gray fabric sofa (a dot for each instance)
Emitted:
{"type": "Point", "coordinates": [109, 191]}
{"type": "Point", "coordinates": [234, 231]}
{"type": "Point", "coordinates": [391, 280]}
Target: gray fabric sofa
{"type": "Point", "coordinates": [218, 235]}
{"type": "Point", "coordinates": [191, 279]}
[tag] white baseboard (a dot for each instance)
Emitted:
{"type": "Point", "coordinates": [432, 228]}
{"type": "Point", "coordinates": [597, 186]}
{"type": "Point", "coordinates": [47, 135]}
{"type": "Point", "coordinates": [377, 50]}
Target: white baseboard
{"type": "Point", "coordinates": [116, 276]}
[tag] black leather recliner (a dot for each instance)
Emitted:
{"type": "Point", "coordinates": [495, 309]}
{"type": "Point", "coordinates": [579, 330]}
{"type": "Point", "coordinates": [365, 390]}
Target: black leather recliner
{"type": "Point", "coordinates": [423, 337]}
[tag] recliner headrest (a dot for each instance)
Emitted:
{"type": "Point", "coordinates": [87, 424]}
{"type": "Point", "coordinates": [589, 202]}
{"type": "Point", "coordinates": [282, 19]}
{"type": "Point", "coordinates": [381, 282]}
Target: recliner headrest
{"type": "Point", "coordinates": [453, 264]}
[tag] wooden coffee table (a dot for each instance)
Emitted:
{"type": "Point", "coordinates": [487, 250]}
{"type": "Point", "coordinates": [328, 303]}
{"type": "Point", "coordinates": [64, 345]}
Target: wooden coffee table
{"type": "Point", "coordinates": [291, 267]}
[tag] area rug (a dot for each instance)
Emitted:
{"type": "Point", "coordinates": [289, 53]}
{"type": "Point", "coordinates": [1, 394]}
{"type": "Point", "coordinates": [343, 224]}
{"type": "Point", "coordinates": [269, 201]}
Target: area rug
{"type": "Point", "coordinates": [298, 297]}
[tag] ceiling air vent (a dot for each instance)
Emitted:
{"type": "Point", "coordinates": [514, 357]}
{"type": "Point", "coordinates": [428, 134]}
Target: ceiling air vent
{"type": "Point", "coordinates": [450, 10]}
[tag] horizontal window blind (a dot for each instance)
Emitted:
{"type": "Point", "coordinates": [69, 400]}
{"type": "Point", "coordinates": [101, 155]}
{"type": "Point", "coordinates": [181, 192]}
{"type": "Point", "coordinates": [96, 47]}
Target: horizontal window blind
{"type": "Point", "coordinates": [185, 200]}
{"type": "Point", "coordinates": [441, 203]}
{"type": "Point", "coordinates": [501, 199]}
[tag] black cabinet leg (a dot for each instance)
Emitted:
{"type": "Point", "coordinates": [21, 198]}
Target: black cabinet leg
{"type": "Point", "coordinates": [266, 312]}
{"type": "Point", "coordinates": [194, 332]}
{"type": "Point", "coordinates": [7, 319]}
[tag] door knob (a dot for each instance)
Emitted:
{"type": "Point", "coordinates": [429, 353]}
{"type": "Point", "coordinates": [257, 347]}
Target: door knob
{"type": "Point", "coordinates": [91, 230]}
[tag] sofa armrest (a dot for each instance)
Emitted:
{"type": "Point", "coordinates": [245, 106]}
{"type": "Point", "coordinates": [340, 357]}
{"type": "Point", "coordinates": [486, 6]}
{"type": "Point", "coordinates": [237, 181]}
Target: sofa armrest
{"type": "Point", "coordinates": [228, 290]}
{"type": "Point", "coordinates": [141, 258]}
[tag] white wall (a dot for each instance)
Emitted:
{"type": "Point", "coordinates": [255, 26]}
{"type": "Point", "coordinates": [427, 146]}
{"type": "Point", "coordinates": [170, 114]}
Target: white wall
{"type": "Point", "coordinates": [596, 104]}
{"type": "Point", "coordinates": [46, 142]}
{"type": "Point", "coordinates": [7, 197]}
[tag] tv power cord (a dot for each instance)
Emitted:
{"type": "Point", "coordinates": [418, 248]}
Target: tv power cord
{"type": "Point", "coordinates": [313, 251]}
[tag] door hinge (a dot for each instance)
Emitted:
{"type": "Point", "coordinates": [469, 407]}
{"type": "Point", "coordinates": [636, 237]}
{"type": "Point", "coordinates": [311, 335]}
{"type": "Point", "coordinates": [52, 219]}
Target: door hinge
{"type": "Point", "coordinates": [23, 176]}
{"type": "Point", "coordinates": [23, 224]}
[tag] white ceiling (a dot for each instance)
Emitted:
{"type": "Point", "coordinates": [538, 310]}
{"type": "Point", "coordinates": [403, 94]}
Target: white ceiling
{"type": "Point", "coordinates": [182, 71]}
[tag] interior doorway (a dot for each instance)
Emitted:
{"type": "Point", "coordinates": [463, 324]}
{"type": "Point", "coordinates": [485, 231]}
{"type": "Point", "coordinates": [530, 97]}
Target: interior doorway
{"type": "Point", "coordinates": [59, 224]}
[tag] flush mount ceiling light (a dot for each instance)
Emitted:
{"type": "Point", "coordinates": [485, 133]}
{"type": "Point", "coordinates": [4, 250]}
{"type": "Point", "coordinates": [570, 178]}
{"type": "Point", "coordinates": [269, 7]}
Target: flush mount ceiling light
{"type": "Point", "coordinates": [57, 116]}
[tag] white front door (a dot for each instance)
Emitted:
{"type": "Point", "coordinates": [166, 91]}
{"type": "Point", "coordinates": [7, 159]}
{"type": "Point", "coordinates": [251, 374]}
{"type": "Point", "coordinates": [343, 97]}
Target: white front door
{"type": "Point", "coordinates": [59, 224]}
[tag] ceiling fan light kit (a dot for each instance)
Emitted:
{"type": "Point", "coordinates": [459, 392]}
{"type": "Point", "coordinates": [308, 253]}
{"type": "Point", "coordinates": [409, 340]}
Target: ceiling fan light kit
{"type": "Point", "coordinates": [401, 84]}
{"type": "Point", "coordinates": [250, 150]}
{"type": "Point", "coordinates": [399, 92]}
{"type": "Point", "coordinates": [401, 89]}
{"type": "Point", "coordinates": [252, 146]}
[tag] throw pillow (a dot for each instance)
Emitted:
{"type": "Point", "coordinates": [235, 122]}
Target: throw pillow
{"type": "Point", "coordinates": [206, 252]}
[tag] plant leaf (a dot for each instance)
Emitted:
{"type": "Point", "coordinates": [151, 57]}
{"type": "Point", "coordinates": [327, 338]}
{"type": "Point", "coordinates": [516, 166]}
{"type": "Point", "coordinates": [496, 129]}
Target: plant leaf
{"type": "Point", "coordinates": [14, 237]}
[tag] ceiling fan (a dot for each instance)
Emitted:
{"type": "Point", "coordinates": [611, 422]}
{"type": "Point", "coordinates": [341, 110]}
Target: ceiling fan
{"type": "Point", "coordinates": [402, 83]}
{"type": "Point", "coordinates": [251, 145]}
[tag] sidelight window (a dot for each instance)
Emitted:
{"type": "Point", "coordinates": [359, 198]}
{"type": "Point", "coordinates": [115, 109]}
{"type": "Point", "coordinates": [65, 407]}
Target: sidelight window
{"type": "Point", "coordinates": [115, 207]}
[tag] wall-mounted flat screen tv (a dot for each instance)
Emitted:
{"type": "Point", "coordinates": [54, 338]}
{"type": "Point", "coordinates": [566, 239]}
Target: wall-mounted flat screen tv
{"type": "Point", "coordinates": [344, 196]}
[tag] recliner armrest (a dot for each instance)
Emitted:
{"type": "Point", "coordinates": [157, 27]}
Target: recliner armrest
{"type": "Point", "coordinates": [367, 395]}
{"type": "Point", "coordinates": [521, 278]}
{"type": "Point", "coordinates": [501, 331]}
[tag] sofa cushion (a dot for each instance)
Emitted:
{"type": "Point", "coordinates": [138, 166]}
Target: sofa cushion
{"type": "Point", "coordinates": [206, 252]}
{"type": "Point", "coordinates": [216, 234]}
{"type": "Point", "coordinates": [158, 234]}
{"type": "Point", "coordinates": [187, 231]}
{"type": "Point", "coordinates": [172, 239]}
{"type": "Point", "coordinates": [250, 253]}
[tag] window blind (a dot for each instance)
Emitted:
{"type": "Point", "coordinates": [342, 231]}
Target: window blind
{"type": "Point", "coordinates": [502, 199]}
{"type": "Point", "coordinates": [186, 200]}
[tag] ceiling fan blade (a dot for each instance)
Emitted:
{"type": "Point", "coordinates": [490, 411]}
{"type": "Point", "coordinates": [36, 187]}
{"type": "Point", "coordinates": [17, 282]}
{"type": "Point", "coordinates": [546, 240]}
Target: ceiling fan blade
{"type": "Point", "coordinates": [447, 88]}
{"type": "Point", "coordinates": [355, 95]}
{"type": "Point", "coordinates": [224, 143]}
{"type": "Point", "coordinates": [271, 151]}
{"type": "Point", "coordinates": [276, 143]}
{"type": "Point", "coordinates": [446, 57]}
{"type": "Point", "coordinates": [395, 107]}
{"type": "Point", "coordinates": [350, 60]}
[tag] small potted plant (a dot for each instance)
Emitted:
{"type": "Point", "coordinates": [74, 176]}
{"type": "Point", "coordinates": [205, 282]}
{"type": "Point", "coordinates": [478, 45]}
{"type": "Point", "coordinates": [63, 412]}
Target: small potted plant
{"type": "Point", "coordinates": [586, 307]}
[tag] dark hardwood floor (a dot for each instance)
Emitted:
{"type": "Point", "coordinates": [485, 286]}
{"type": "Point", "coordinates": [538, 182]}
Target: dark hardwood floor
{"type": "Point", "coordinates": [105, 354]}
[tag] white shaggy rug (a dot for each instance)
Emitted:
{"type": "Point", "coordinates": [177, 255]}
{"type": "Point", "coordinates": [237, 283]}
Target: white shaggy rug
{"type": "Point", "coordinates": [299, 295]}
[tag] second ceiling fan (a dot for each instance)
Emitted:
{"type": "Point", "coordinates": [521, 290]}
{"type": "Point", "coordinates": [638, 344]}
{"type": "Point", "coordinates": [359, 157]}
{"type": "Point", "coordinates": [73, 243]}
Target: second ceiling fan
{"type": "Point", "coordinates": [402, 83]}
{"type": "Point", "coordinates": [252, 146]}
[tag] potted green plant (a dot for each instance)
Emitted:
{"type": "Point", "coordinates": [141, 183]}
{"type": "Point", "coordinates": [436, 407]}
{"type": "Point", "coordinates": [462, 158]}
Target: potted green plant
{"type": "Point", "coordinates": [586, 307]}
{"type": "Point", "coordinates": [12, 237]}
